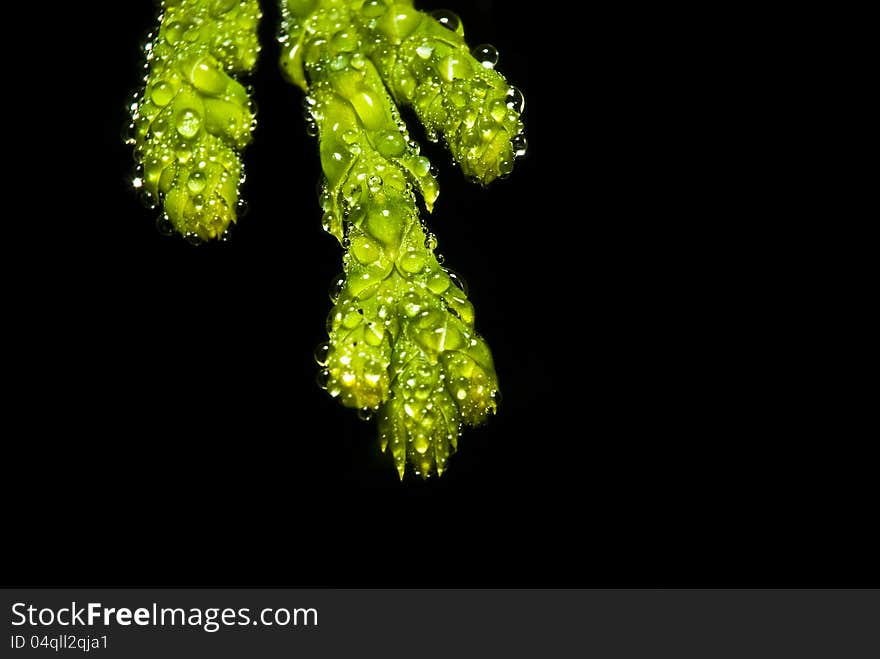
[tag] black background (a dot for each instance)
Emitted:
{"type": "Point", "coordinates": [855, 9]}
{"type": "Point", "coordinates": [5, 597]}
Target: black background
{"type": "Point", "coordinates": [170, 432]}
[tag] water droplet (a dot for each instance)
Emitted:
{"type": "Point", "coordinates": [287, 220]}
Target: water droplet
{"type": "Point", "coordinates": [365, 250]}
{"type": "Point", "coordinates": [337, 286]}
{"type": "Point", "coordinates": [515, 100]}
{"type": "Point", "coordinates": [424, 51]}
{"type": "Point", "coordinates": [440, 258]}
{"type": "Point", "coordinates": [174, 31]}
{"type": "Point", "coordinates": [188, 123]}
{"type": "Point", "coordinates": [498, 110]}
{"type": "Point", "coordinates": [373, 8]}
{"type": "Point", "coordinates": [458, 280]}
{"type": "Point", "coordinates": [207, 78]}
{"type": "Point", "coordinates": [329, 222]}
{"type": "Point", "coordinates": [486, 54]}
{"type": "Point", "coordinates": [352, 318]}
{"type": "Point", "coordinates": [339, 62]}
{"type": "Point", "coordinates": [431, 242]}
{"type": "Point", "coordinates": [322, 379]}
{"type": "Point", "coordinates": [420, 166]}
{"type": "Point", "coordinates": [496, 396]}
{"type": "Point", "coordinates": [162, 93]}
{"type": "Point", "coordinates": [164, 225]}
{"type": "Point", "coordinates": [345, 41]}
{"type": "Point", "coordinates": [505, 166]}
{"type": "Point", "coordinates": [391, 144]}
{"type": "Point", "coordinates": [520, 145]}
{"type": "Point", "coordinates": [322, 353]}
{"type": "Point", "coordinates": [333, 316]}
{"type": "Point", "coordinates": [375, 183]}
{"type": "Point", "coordinates": [312, 128]}
{"type": "Point", "coordinates": [158, 127]}
{"type": "Point", "coordinates": [197, 182]}
{"type": "Point", "coordinates": [446, 18]}
{"type": "Point", "coordinates": [356, 215]}
{"type": "Point", "coordinates": [365, 414]}
{"type": "Point", "coordinates": [438, 283]}
{"type": "Point", "coordinates": [412, 261]}
{"type": "Point", "coordinates": [357, 61]}
{"type": "Point", "coordinates": [129, 133]}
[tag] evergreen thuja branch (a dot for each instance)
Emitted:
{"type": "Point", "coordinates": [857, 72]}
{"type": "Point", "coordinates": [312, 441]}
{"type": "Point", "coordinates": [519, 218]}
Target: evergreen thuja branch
{"type": "Point", "coordinates": [402, 339]}
{"type": "Point", "coordinates": [193, 118]}
{"type": "Point", "coordinates": [402, 343]}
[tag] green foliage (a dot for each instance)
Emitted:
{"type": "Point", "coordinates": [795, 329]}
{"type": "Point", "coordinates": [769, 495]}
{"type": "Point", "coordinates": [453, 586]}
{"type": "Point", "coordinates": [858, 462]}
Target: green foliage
{"type": "Point", "coordinates": [402, 344]}
{"type": "Point", "coordinates": [194, 118]}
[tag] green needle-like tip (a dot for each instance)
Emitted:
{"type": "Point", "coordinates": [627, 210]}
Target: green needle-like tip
{"type": "Point", "coordinates": [193, 118]}
{"type": "Point", "coordinates": [402, 342]}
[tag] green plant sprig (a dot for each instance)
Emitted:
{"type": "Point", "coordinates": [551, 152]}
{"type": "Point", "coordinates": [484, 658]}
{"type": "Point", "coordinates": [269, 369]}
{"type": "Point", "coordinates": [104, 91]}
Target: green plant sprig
{"type": "Point", "coordinates": [402, 344]}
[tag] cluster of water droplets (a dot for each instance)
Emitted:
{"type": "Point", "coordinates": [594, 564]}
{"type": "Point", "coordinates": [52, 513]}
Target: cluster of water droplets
{"type": "Point", "coordinates": [192, 118]}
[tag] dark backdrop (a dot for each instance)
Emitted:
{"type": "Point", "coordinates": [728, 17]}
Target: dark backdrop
{"type": "Point", "coordinates": [172, 431]}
